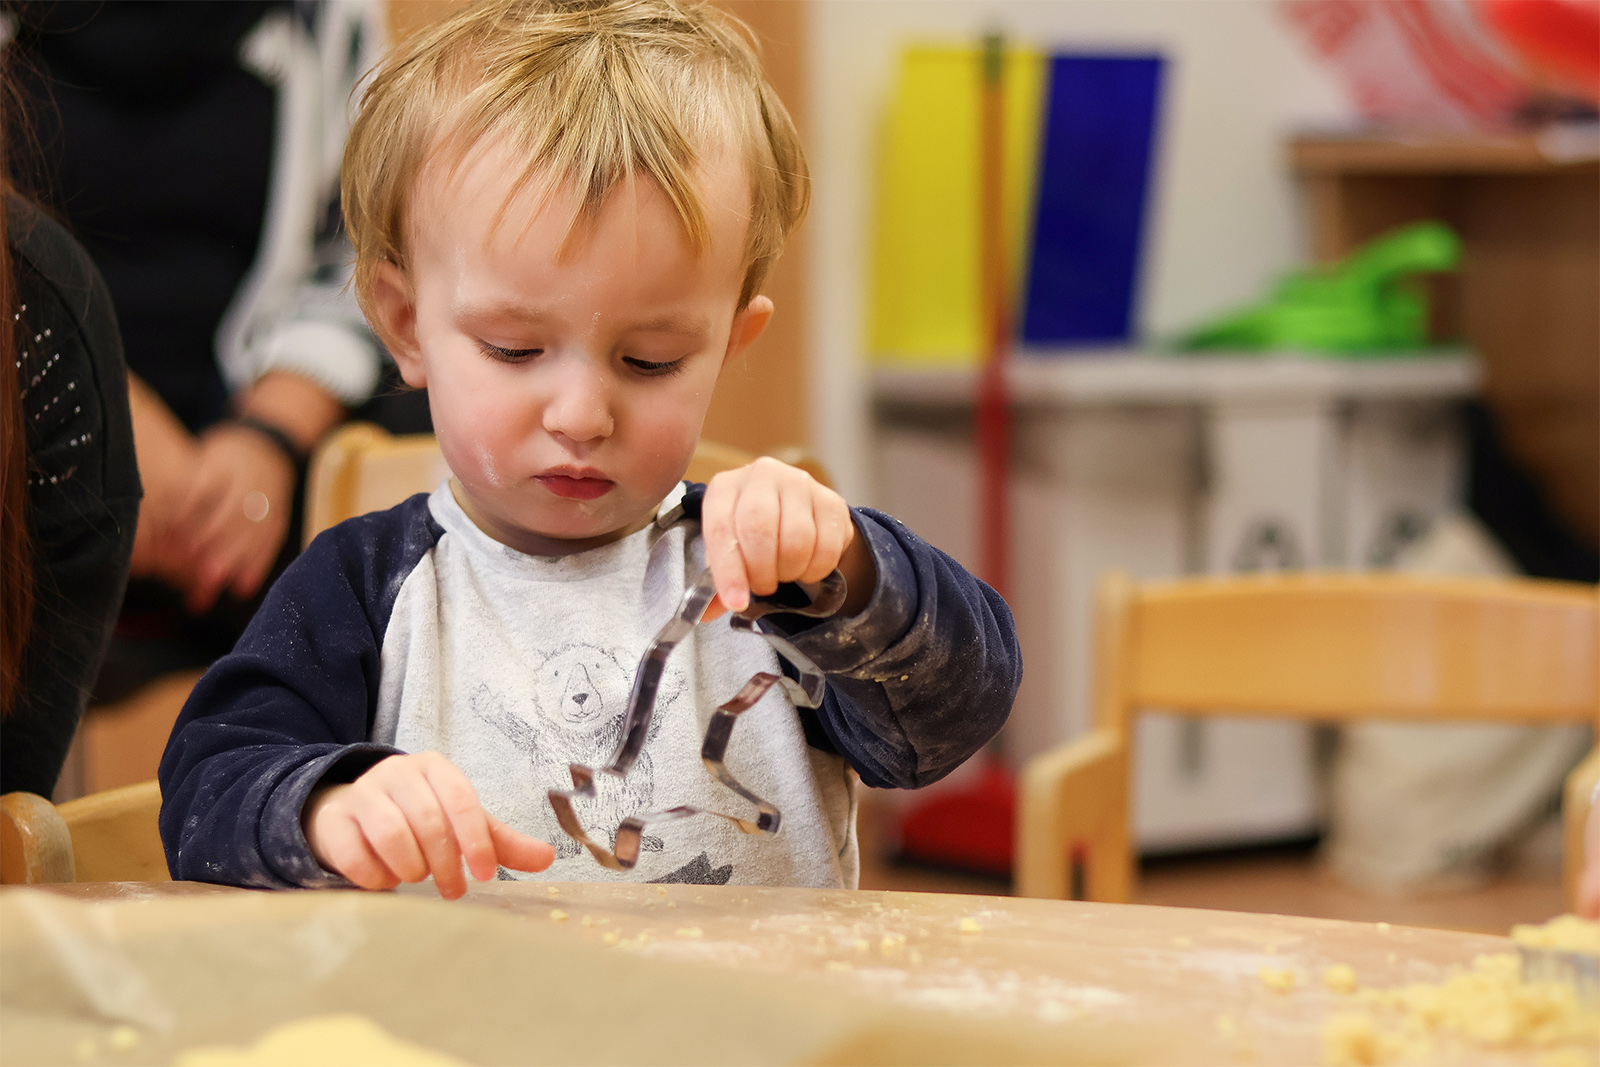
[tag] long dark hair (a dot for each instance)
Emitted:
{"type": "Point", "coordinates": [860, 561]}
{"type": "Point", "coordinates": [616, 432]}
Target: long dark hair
{"type": "Point", "coordinates": [16, 549]}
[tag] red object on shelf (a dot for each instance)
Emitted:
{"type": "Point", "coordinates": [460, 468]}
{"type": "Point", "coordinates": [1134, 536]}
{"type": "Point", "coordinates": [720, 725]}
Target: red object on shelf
{"type": "Point", "coordinates": [970, 828]}
{"type": "Point", "coordinates": [1560, 38]}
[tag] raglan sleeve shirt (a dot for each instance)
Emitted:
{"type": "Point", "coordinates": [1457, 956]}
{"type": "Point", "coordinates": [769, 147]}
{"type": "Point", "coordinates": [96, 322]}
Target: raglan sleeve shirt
{"type": "Point", "coordinates": [917, 682]}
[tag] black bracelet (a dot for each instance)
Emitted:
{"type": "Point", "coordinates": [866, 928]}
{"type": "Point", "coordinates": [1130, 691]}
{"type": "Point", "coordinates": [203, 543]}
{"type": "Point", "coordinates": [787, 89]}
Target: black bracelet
{"type": "Point", "coordinates": [276, 434]}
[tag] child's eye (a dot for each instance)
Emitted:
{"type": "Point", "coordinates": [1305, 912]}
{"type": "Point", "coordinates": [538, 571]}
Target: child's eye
{"type": "Point", "coordinates": [509, 355]}
{"type": "Point", "coordinates": [644, 366]}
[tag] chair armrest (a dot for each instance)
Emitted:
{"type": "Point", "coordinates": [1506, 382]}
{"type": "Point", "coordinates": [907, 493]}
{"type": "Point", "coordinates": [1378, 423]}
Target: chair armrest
{"type": "Point", "coordinates": [1575, 805]}
{"type": "Point", "coordinates": [1073, 809]}
{"type": "Point", "coordinates": [116, 835]}
{"type": "Point", "coordinates": [35, 846]}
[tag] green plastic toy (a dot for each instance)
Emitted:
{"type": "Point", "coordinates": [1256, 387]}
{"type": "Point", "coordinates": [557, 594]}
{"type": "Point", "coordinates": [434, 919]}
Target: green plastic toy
{"type": "Point", "coordinates": [1370, 304]}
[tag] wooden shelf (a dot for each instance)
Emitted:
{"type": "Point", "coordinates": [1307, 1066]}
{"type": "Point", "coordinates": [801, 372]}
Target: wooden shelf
{"type": "Point", "coordinates": [1559, 149]}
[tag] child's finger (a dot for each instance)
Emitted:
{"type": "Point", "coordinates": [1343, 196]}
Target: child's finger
{"type": "Point", "coordinates": [755, 524]}
{"type": "Point", "coordinates": [722, 546]}
{"type": "Point", "coordinates": [834, 534]}
{"type": "Point", "coordinates": [430, 830]}
{"type": "Point", "coordinates": [518, 851]}
{"type": "Point", "coordinates": [389, 833]}
{"type": "Point", "coordinates": [468, 821]}
{"type": "Point", "coordinates": [349, 853]}
{"type": "Point", "coordinates": [797, 531]}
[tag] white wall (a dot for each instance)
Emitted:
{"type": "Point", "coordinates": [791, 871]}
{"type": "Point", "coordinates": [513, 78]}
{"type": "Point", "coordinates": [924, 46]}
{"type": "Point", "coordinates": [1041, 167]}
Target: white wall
{"type": "Point", "coordinates": [1225, 217]}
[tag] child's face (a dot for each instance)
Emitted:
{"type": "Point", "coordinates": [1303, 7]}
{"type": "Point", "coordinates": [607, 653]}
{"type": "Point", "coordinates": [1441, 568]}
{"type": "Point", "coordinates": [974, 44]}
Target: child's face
{"type": "Point", "coordinates": [567, 390]}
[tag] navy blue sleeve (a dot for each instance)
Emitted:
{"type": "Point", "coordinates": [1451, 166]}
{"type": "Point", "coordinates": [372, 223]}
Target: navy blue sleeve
{"type": "Point", "coordinates": [289, 708]}
{"type": "Point", "coordinates": [925, 675]}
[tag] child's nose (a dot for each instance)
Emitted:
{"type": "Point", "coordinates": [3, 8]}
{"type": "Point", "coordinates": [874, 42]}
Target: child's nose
{"type": "Point", "coordinates": [581, 409]}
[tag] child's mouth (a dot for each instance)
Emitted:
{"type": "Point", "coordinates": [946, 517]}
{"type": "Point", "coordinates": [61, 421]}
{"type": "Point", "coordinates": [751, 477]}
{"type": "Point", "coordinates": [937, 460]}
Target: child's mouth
{"type": "Point", "coordinates": [575, 488]}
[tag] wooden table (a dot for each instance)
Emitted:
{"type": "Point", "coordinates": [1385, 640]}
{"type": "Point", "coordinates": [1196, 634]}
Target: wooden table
{"type": "Point", "coordinates": [993, 979]}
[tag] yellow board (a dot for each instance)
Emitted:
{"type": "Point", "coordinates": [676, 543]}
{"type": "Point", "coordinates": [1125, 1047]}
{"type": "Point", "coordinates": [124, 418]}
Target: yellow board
{"type": "Point", "coordinates": [926, 306]}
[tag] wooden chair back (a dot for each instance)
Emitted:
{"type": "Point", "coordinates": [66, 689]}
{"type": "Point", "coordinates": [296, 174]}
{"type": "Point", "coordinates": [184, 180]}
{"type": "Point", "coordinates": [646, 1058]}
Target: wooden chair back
{"type": "Point", "coordinates": [110, 836]}
{"type": "Point", "coordinates": [1330, 647]}
{"type": "Point", "coordinates": [361, 467]}
{"type": "Point", "coordinates": [1344, 647]}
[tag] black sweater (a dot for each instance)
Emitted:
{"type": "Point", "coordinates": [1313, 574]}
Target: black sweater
{"type": "Point", "coordinates": [83, 488]}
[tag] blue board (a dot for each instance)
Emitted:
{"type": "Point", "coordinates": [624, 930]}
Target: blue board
{"type": "Point", "coordinates": [1099, 140]}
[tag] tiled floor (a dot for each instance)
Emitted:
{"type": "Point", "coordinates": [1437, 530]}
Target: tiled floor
{"type": "Point", "coordinates": [1287, 881]}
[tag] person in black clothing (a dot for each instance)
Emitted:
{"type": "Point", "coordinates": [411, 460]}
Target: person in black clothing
{"type": "Point", "coordinates": [72, 471]}
{"type": "Point", "coordinates": [193, 149]}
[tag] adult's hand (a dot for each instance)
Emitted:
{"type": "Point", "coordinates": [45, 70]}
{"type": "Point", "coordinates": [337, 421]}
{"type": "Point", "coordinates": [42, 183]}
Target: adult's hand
{"type": "Point", "coordinates": [234, 515]}
{"type": "Point", "coordinates": [168, 454]}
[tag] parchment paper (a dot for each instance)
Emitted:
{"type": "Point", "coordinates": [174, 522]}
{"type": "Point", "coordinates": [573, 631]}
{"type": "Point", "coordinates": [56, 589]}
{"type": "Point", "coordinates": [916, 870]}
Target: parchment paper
{"type": "Point", "coordinates": [164, 975]}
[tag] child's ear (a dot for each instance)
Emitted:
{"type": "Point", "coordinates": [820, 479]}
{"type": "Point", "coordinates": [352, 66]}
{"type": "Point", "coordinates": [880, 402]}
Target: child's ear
{"type": "Point", "coordinates": [748, 325]}
{"type": "Point", "coordinates": [392, 310]}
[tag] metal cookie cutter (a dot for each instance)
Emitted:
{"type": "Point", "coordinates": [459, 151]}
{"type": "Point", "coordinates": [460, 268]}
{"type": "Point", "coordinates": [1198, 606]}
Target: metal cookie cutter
{"type": "Point", "coordinates": [818, 600]}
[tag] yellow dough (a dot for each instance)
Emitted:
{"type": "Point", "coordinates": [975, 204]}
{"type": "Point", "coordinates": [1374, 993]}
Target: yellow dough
{"type": "Point", "coordinates": [1341, 978]}
{"type": "Point", "coordinates": [1489, 1005]}
{"type": "Point", "coordinates": [1564, 933]}
{"type": "Point", "coordinates": [322, 1041]}
{"type": "Point", "coordinates": [1277, 981]}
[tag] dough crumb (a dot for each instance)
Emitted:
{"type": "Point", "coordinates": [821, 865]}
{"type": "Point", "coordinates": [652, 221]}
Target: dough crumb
{"type": "Point", "coordinates": [552, 890]}
{"type": "Point", "coordinates": [1226, 1026]}
{"type": "Point", "coordinates": [610, 937]}
{"type": "Point", "coordinates": [969, 925]}
{"type": "Point", "coordinates": [1341, 978]}
{"type": "Point", "coordinates": [1384, 928]}
{"type": "Point", "coordinates": [916, 957]}
{"type": "Point", "coordinates": [349, 1039]}
{"type": "Point", "coordinates": [557, 915]}
{"type": "Point", "coordinates": [892, 943]}
{"type": "Point", "coordinates": [1354, 1041]}
{"type": "Point", "coordinates": [1489, 1006]}
{"type": "Point", "coordinates": [690, 931]}
{"type": "Point", "coordinates": [862, 944]}
{"type": "Point", "coordinates": [586, 922]}
{"type": "Point", "coordinates": [661, 890]}
{"type": "Point", "coordinates": [1564, 933]}
{"type": "Point", "coordinates": [1278, 981]}
{"type": "Point", "coordinates": [122, 1038]}
{"type": "Point", "coordinates": [672, 903]}
{"type": "Point", "coordinates": [1181, 942]}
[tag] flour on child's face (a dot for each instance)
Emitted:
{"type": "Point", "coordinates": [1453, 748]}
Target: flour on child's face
{"type": "Point", "coordinates": [569, 376]}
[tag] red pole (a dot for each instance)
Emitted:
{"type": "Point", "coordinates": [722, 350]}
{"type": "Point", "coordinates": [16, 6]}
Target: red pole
{"type": "Point", "coordinates": [993, 423]}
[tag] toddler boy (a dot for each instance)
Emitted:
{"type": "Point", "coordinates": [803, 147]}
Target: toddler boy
{"type": "Point", "coordinates": [562, 215]}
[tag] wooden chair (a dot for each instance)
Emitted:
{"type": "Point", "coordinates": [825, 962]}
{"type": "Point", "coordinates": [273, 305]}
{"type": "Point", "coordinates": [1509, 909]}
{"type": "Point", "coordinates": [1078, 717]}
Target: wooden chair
{"type": "Point", "coordinates": [1331, 647]}
{"type": "Point", "coordinates": [361, 468]}
{"type": "Point", "coordinates": [104, 837]}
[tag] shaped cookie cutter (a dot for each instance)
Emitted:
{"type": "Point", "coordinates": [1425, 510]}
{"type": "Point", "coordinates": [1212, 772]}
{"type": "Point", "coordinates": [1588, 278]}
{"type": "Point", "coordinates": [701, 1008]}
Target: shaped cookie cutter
{"type": "Point", "coordinates": [818, 600]}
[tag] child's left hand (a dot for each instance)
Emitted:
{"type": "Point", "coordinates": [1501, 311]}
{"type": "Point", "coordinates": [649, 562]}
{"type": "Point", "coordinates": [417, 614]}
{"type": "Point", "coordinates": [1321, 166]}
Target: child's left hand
{"type": "Point", "coordinates": [767, 523]}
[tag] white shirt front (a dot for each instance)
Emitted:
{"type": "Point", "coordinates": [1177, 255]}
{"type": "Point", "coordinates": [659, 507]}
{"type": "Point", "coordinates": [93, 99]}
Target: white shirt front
{"type": "Point", "coordinates": [515, 666]}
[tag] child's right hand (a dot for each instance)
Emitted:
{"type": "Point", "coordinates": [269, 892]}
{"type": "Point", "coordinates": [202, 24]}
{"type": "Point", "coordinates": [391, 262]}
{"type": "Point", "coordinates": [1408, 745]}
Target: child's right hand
{"type": "Point", "coordinates": [411, 816]}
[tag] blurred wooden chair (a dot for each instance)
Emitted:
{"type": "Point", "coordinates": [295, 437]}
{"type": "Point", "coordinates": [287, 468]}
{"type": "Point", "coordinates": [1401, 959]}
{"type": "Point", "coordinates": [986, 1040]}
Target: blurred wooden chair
{"type": "Point", "coordinates": [361, 467]}
{"type": "Point", "coordinates": [1330, 647]}
{"type": "Point", "coordinates": [110, 836]}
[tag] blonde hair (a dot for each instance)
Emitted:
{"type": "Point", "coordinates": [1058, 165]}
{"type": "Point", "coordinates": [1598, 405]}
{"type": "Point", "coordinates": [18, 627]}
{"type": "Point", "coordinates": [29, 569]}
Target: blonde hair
{"type": "Point", "coordinates": [593, 92]}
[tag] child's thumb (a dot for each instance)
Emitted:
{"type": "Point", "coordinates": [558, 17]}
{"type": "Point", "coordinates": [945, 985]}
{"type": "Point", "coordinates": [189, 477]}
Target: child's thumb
{"type": "Point", "coordinates": [517, 850]}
